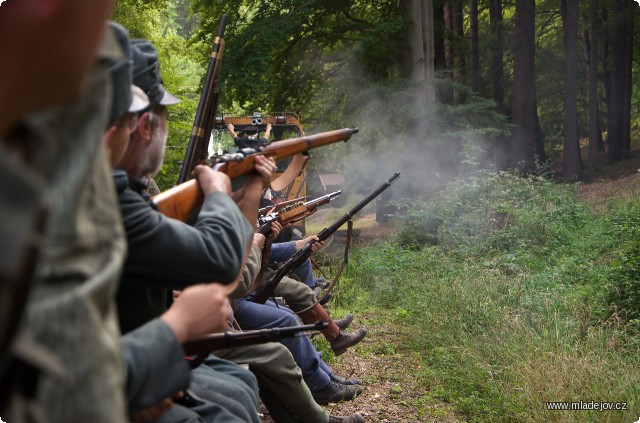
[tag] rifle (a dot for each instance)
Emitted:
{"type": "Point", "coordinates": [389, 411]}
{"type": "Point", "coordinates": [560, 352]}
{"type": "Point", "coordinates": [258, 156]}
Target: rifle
{"type": "Point", "coordinates": [276, 207]}
{"type": "Point", "coordinates": [265, 291]}
{"type": "Point", "coordinates": [180, 201]}
{"type": "Point", "coordinates": [197, 149]}
{"type": "Point", "coordinates": [295, 212]}
{"type": "Point", "coordinates": [218, 341]}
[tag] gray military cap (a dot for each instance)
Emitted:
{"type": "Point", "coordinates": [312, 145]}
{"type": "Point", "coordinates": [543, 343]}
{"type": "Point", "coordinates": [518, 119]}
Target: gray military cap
{"type": "Point", "coordinates": [146, 74]}
{"type": "Point", "coordinates": [120, 71]}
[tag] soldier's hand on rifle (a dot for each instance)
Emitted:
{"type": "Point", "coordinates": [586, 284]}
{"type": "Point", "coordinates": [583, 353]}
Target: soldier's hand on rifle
{"type": "Point", "coordinates": [211, 180]}
{"type": "Point", "coordinates": [276, 228]}
{"type": "Point", "coordinates": [265, 167]}
{"type": "Point", "coordinates": [317, 244]}
{"type": "Point", "coordinates": [198, 311]}
{"type": "Point", "coordinates": [258, 239]}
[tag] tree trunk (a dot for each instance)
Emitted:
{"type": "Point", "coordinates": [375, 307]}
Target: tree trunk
{"type": "Point", "coordinates": [474, 50]}
{"type": "Point", "coordinates": [616, 112]}
{"type": "Point", "coordinates": [595, 136]}
{"type": "Point", "coordinates": [428, 48]}
{"type": "Point", "coordinates": [419, 68]}
{"type": "Point", "coordinates": [572, 163]}
{"type": "Point", "coordinates": [458, 49]}
{"type": "Point", "coordinates": [447, 91]}
{"type": "Point", "coordinates": [628, 80]}
{"type": "Point", "coordinates": [502, 146]}
{"type": "Point", "coordinates": [524, 113]}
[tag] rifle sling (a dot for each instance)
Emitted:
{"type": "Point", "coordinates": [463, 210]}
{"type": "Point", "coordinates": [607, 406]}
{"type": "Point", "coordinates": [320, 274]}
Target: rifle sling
{"type": "Point", "coordinates": [345, 260]}
{"type": "Point", "coordinates": [296, 166]}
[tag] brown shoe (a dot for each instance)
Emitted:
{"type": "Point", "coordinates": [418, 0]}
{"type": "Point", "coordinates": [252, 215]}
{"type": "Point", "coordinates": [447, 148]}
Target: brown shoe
{"type": "Point", "coordinates": [345, 340]}
{"type": "Point", "coordinates": [344, 323]}
{"type": "Point", "coordinates": [354, 418]}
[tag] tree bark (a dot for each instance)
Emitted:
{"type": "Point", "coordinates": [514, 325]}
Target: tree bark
{"type": "Point", "coordinates": [458, 50]}
{"type": "Point", "coordinates": [572, 163]}
{"type": "Point", "coordinates": [524, 114]}
{"type": "Point", "coordinates": [595, 136]}
{"type": "Point", "coordinates": [616, 112]}
{"type": "Point", "coordinates": [502, 146]}
{"type": "Point", "coordinates": [628, 80]}
{"type": "Point", "coordinates": [474, 50]}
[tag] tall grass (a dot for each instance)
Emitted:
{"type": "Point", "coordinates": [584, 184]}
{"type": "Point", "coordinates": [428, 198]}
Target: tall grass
{"type": "Point", "coordinates": [519, 295]}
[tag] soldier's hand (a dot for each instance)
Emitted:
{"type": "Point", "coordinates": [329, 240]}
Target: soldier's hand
{"type": "Point", "coordinates": [198, 311]}
{"type": "Point", "coordinates": [317, 244]}
{"type": "Point", "coordinates": [152, 413]}
{"type": "Point", "coordinates": [211, 180]}
{"type": "Point", "coordinates": [230, 127]}
{"type": "Point", "coordinates": [276, 228]}
{"type": "Point", "coordinates": [265, 167]}
{"type": "Point", "coordinates": [259, 239]}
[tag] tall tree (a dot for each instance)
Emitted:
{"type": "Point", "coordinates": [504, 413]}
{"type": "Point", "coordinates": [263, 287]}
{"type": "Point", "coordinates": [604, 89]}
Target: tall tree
{"type": "Point", "coordinates": [524, 114]}
{"type": "Point", "coordinates": [474, 49]}
{"type": "Point", "coordinates": [572, 163]}
{"type": "Point", "coordinates": [628, 79]}
{"type": "Point", "coordinates": [496, 53]}
{"type": "Point", "coordinates": [458, 49]}
{"type": "Point", "coordinates": [618, 21]}
{"type": "Point", "coordinates": [596, 146]}
{"type": "Point", "coordinates": [420, 48]}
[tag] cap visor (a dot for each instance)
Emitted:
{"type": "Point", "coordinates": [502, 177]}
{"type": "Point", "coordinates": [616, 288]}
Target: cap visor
{"type": "Point", "coordinates": [168, 99]}
{"type": "Point", "coordinates": [139, 100]}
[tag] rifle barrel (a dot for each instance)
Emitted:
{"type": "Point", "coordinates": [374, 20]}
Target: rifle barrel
{"type": "Point", "coordinates": [251, 337]}
{"type": "Point", "coordinates": [205, 113]}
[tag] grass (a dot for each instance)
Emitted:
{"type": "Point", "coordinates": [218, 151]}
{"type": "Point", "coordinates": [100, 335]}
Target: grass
{"type": "Point", "coordinates": [516, 294]}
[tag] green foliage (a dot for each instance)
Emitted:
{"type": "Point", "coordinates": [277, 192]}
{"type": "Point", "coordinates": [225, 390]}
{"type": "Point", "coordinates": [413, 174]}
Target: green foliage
{"type": "Point", "coordinates": [160, 22]}
{"type": "Point", "coordinates": [624, 283]}
{"type": "Point", "coordinates": [523, 287]}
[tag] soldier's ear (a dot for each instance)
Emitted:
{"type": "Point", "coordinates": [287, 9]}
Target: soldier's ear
{"type": "Point", "coordinates": [145, 126]}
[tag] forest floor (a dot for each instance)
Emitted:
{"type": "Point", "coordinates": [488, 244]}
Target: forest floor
{"type": "Point", "coordinates": [393, 394]}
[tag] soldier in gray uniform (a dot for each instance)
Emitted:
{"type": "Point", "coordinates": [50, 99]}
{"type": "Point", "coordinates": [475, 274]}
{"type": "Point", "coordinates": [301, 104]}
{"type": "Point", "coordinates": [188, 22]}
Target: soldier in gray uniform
{"type": "Point", "coordinates": [70, 314]}
{"type": "Point", "coordinates": [221, 229]}
{"type": "Point", "coordinates": [156, 370]}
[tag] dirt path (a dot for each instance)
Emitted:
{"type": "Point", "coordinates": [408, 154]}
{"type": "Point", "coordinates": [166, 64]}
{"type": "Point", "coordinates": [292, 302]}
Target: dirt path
{"type": "Point", "coordinates": [388, 370]}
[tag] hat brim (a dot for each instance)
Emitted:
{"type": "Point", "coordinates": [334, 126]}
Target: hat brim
{"type": "Point", "coordinates": [139, 100]}
{"type": "Point", "coordinates": [168, 99]}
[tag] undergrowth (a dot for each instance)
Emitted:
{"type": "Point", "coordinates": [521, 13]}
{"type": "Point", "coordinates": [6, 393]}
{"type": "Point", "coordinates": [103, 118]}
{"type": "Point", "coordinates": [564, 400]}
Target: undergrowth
{"type": "Point", "coordinates": [517, 294]}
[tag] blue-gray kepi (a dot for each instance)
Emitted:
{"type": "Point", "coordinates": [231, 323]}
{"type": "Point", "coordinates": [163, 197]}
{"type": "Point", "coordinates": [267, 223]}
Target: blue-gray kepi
{"type": "Point", "coordinates": [146, 74]}
{"type": "Point", "coordinates": [120, 71]}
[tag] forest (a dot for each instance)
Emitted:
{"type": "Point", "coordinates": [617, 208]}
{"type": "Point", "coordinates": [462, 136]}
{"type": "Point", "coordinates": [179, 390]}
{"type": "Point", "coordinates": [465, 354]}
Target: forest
{"type": "Point", "coordinates": [515, 244]}
{"type": "Point", "coordinates": [455, 85]}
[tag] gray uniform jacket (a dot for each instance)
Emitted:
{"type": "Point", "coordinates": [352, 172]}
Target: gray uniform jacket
{"type": "Point", "coordinates": [165, 253]}
{"type": "Point", "coordinates": [155, 365]}
{"type": "Point", "coordinates": [71, 309]}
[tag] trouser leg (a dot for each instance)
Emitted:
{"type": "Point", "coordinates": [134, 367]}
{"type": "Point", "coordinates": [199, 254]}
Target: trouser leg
{"type": "Point", "coordinates": [227, 390]}
{"type": "Point", "coordinates": [279, 377]}
{"type": "Point", "coordinates": [261, 316]}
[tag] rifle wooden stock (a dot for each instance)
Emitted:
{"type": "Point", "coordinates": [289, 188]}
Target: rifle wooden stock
{"type": "Point", "coordinates": [206, 113]}
{"type": "Point", "coordinates": [220, 341]}
{"type": "Point", "coordinates": [180, 201]}
{"type": "Point", "coordinates": [278, 206]}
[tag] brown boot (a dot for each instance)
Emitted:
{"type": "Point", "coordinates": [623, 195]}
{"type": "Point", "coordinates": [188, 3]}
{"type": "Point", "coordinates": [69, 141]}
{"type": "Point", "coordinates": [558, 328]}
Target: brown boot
{"type": "Point", "coordinates": [345, 340]}
{"type": "Point", "coordinates": [319, 313]}
{"type": "Point", "coordinates": [339, 341]}
{"type": "Point", "coordinates": [344, 323]}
